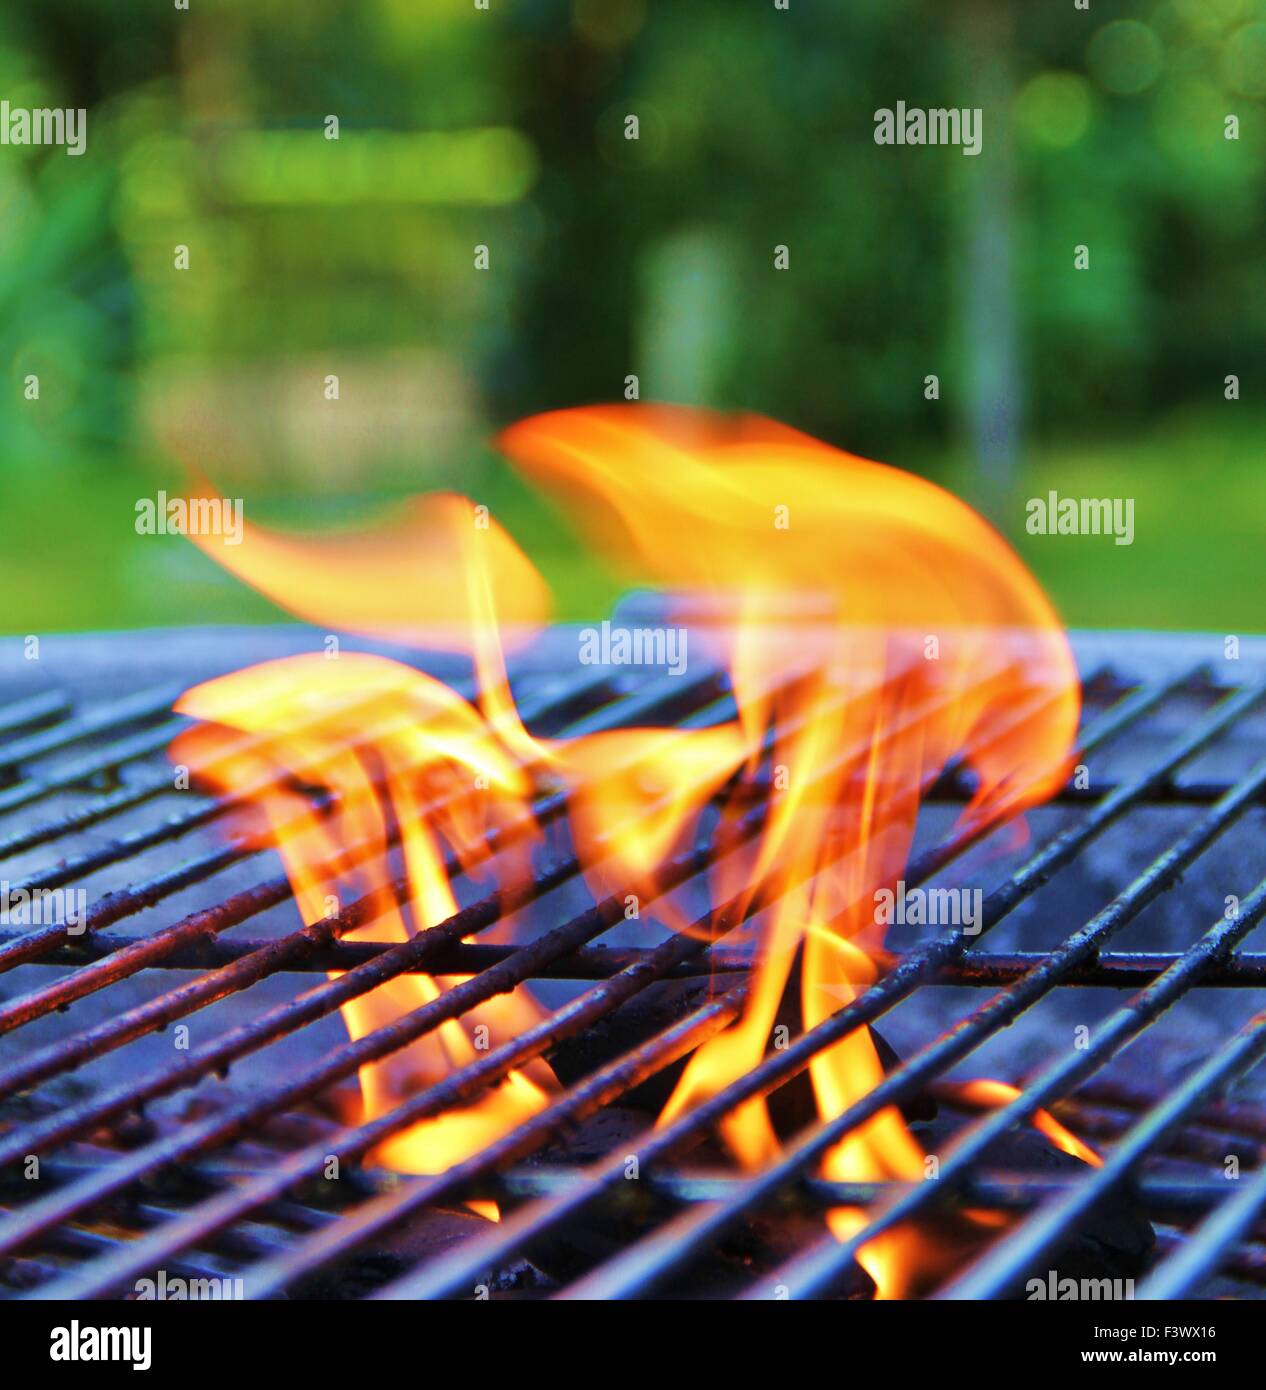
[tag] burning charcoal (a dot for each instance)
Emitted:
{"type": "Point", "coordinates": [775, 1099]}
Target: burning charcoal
{"type": "Point", "coordinates": [791, 1107]}
{"type": "Point", "coordinates": [599, 1234]}
{"type": "Point", "coordinates": [615, 1126]}
{"type": "Point", "coordinates": [23, 1274]}
{"type": "Point", "coordinates": [428, 1235]}
{"type": "Point", "coordinates": [757, 1246]}
{"type": "Point", "coordinates": [794, 1106]}
{"type": "Point", "coordinates": [1112, 1243]}
{"type": "Point", "coordinates": [128, 1132]}
{"type": "Point", "coordinates": [655, 1008]}
{"type": "Point", "coordinates": [765, 1241]}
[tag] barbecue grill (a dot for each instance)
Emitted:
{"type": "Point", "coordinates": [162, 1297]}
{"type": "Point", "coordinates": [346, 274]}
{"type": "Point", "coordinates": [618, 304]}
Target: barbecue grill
{"type": "Point", "coordinates": [174, 1076]}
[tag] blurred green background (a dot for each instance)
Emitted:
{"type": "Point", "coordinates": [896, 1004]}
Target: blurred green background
{"type": "Point", "coordinates": [461, 127]}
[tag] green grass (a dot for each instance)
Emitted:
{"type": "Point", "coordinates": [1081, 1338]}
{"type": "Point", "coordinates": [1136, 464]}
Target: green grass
{"type": "Point", "coordinates": [1197, 561]}
{"type": "Point", "coordinates": [71, 559]}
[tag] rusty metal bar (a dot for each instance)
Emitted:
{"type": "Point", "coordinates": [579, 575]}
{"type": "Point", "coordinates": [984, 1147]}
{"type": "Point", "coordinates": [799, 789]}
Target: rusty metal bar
{"type": "Point", "coordinates": [241, 961]}
{"type": "Point", "coordinates": [23, 1225]}
{"type": "Point", "coordinates": [101, 719]}
{"type": "Point", "coordinates": [977, 970]}
{"type": "Point", "coordinates": [811, 1271]}
{"type": "Point", "coordinates": [455, 1272]}
{"type": "Point", "coordinates": [1050, 1226]}
{"type": "Point", "coordinates": [33, 710]}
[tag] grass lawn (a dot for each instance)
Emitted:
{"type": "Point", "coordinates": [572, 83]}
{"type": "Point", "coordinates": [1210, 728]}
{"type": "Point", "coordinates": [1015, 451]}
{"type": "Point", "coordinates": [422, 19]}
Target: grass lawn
{"type": "Point", "coordinates": [71, 558]}
{"type": "Point", "coordinates": [1197, 561]}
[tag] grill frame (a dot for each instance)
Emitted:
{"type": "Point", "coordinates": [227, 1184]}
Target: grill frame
{"type": "Point", "coordinates": [707, 1210]}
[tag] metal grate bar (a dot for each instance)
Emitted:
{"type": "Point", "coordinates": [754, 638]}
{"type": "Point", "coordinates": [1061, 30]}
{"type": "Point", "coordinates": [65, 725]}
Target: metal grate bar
{"type": "Point", "coordinates": [601, 1088]}
{"type": "Point", "coordinates": [643, 1266]}
{"type": "Point", "coordinates": [813, 1271]}
{"type": "Point", "coordinates": [35, 709]}
{"type": "Point", "coordinates": [998, 1189]}
{"type": "Point", "coordinates": [129, 797]}
{"type": "Point", "coordinates": [457, 1270]}
{"type": "Point", "coordinates": [1237, 1118]}
{"type": "Point", "coordinates": [57, 1207]}
{"type": "Point", "coordinates": [24, 947]}
{"type": "Point", "coordinates": [977, 970]}
{"type": "Point", "coordinates": [392, 1207]}
{"type": "Point", "coordinates": [151, 950]}
{"type": "Point", "coordinates": [1050, 1226]}
{"type": "Point", "coordinates": [303, 1241]}
{"type": "Point", "coordinates": [102, 719]}
{"type": "Point", "coordinates": [1246, 1264]}
{"type": "Point", "coordinates": [136, 954]}
{"type": "Point", "coordinates": [523, 965]}
{"type": "Point", "coordinates": [84, 817]}
{"type": "Point", "coordinates": [108, 759]}
{"type": "Point", "coordinates": [1195, 1260]}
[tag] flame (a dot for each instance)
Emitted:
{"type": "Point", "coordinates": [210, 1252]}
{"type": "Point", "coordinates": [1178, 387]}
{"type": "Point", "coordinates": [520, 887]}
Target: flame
{"type": "Point", "coordinates": [381, 745]}
{"type": "Point", "coordinates": [385, 745]}
{"type": "Point", "coordinates": [927, 629]}
{"type": "Point", "coordinates": [876, 628]}
{"type": "Point", "coordinates": [437, 572]}
{"type": "Point", "coordinates": [986, 1094]}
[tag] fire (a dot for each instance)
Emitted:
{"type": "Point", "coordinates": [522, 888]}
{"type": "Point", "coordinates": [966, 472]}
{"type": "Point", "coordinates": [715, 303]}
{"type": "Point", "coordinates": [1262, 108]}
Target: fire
{"type": "Point", "coordinates": [390, 745]}
{"type": "Point", "coordinates": [379, 740]}
{"type": "Point", "coordinates": [875, 628]}
{"type": "Point", "coordinates": [926, 629]}
{"type": "Point", "coordinates": [985, 1094]}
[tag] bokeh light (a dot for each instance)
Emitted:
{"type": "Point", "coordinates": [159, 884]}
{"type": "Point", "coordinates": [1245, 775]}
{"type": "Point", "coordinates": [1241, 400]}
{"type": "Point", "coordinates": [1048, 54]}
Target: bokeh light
{"type": "Point", "coordinates": [1243, 66]}
{"type": "Point", "coordinates": [1125, 57]}
{"type": "Point", "coordinates": [1054, 109]}
{"type": "Point", "coordinates": [505, 128]}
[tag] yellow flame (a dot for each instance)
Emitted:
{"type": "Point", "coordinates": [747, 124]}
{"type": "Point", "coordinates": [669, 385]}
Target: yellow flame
{"type": "Point", "coordinates": [925, 629]}
{"type": "Point", "coordinates": [987, 1094]}
{"type": "Point", "coordinates": [436, 770]}
{"type": "Point", "coordinates": [875, 628]}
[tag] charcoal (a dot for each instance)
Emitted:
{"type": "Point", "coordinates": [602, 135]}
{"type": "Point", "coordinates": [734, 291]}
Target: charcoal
{"type": "Point", "coordinates": [614, 1127]}
{"type": "Point", "coordinates": [756, 1247]}
{"type": "Point", "coordinates": [427, 1235]}
{"type": "Point", "coordinates": [792, 1106]}
{"type": "Point", "coordinates": [756, 1250]}
{"type": "Point", "coordinates": [652, 1010]}
{"type": "Point", "coordinates": [1114, 1242]}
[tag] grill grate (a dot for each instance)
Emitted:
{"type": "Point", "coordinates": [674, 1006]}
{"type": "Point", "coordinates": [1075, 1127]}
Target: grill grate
{"type": "Point", "coordinates": [213, 1192]}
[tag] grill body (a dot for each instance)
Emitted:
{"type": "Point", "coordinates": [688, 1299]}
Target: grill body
{"type": "Point", "coordinates": [168, 1077]}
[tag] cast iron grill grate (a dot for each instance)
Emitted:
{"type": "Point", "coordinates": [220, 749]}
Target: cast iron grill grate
{"type": "Point", "coordinates": [207, 1157]}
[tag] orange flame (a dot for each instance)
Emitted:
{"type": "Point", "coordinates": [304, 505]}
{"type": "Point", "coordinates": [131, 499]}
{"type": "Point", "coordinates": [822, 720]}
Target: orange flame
{"type": "Point", "coordinates": [927, 629]}
{"type": "Point", "coordinates": [378, 737]}
{"type": "Point", "coordinates": [876, 628]}
{"type": "Point", "coordinates": [985, 1094]}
